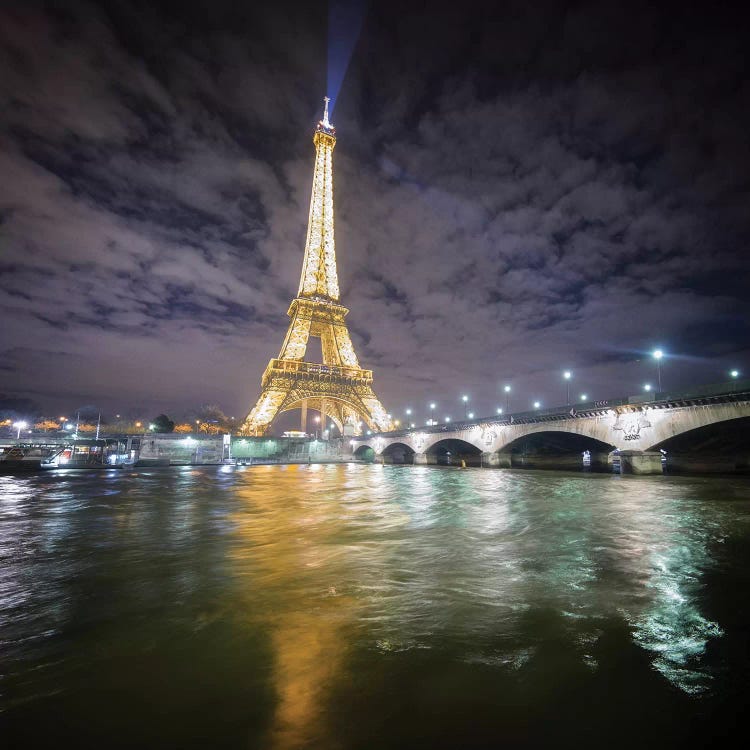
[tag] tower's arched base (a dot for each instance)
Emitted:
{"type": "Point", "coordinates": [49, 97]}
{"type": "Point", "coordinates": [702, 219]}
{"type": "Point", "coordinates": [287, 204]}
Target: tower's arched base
{"type": "Point", "coordinates": [342, 394]}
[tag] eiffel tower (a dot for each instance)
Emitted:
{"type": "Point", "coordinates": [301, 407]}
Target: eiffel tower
{"type": "Point", "coordinates": [338, 388]}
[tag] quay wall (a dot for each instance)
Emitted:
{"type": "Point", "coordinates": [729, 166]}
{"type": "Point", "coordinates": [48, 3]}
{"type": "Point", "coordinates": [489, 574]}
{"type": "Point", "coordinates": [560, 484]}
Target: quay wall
{"type": "Point", "coordinates": [179, 450]}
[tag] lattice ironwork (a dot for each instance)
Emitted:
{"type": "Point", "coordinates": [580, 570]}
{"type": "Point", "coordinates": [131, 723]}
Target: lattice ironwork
{"type": "Point", "coordinates": [338, 387]}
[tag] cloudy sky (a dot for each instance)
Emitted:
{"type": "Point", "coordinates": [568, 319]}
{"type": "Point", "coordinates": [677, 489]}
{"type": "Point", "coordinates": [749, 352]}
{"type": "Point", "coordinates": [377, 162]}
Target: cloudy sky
{"type": "Point", "coordinates": [521, 188]}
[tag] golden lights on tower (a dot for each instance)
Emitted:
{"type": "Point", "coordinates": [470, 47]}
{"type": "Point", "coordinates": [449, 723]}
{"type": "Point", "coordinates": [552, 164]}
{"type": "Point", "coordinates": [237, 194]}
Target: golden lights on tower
{"type": "Point", "coordinates": [338, 387]}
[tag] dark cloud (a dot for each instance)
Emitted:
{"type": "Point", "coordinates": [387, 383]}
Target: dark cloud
{"type": "Point", "coordinates": [519, 190]}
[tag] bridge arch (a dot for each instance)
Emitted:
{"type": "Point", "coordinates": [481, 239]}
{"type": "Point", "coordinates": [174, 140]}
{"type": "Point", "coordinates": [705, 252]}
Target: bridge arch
{"type": "Point", "coordinates": [697, 418]}
{"type": "Point", "coordinates": [453, 451]}
{"type": "Point", "coordinates": [364, 453]}
{"type": "Point", "coordinates": [425, 443]}
{"type": "Point", "coordinates": [721, 447]}
{"type": "Point", "coordinates": [398, 453]}
{"type": "Point", "coordinates": [554, 449]}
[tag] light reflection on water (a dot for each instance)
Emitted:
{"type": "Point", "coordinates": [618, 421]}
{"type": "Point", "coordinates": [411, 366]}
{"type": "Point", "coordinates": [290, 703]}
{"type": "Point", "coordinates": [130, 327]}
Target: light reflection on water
{"type": "Point", "coordinates": [282, 593]}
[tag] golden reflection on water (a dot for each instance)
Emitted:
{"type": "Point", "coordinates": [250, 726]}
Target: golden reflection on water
{"type": "Point", "coordinates": [321, 550]}
{"type": "Point", "coordinates": [286, 543]}
{"type": "Point", "coordinates": [357, 575]}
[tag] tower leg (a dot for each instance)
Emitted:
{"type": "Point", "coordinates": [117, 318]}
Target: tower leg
{"type": "Point", "coordinates": [303, 425]}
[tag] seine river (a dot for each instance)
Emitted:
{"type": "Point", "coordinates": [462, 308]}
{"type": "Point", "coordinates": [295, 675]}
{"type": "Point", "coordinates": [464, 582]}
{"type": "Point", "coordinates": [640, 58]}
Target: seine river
{"type": "Point", "coordinates": [354, 606]}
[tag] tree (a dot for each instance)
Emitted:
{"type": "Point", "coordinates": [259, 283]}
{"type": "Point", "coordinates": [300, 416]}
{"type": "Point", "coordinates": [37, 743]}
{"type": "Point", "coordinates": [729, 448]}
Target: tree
{"type": "Point", "coordinates": [47, 425]}
{"type": "Point", "coordinates": [163, 423]}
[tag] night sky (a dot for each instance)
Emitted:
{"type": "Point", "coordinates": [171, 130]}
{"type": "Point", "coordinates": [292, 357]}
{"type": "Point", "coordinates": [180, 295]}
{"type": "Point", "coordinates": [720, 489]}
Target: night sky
{"type": "Point", "coordinates": [521, 188]}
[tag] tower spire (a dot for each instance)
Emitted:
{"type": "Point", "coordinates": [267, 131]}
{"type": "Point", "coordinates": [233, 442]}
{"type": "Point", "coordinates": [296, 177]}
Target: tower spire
{"type": "Point", "coordinates": [319, 276]}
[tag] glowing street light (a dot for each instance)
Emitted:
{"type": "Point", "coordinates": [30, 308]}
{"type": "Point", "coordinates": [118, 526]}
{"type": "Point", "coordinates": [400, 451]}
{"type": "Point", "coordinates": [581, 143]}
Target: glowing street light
{"type": "Point", "coordinates": [567, 375]}
{"type": "Point", "coordinates": [584, 397]}
{"type": "Point", "coordinates": [537, 404]}
{"type": "Point", "coordinates": [647, 387]}
{"type": "Point", "coordinates": [499, 410]}
{"type": "Point", "coordinates": [408, 412]}
{"type": "Point", "coordinates": [734, 373]}
{"type": "Point", "coordinates": [447, 420]}
{"type": "Point", "coordinates": [471, 415]}
{"type": "Point", "coordinates": [507, 397]}
{"type": "Point", "coordinates": [465, 399]}
{"type": "Point", "coordinates": [21, 426]}
{"type": "Point", "coordinates": [657, 355]}
{"type": "Point", "coordinates": [432, 413]}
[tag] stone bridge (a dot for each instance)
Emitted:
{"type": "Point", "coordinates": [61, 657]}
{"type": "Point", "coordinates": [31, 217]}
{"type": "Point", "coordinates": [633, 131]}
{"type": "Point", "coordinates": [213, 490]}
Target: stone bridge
{"type": "Point", "coordinates": [635, 428]}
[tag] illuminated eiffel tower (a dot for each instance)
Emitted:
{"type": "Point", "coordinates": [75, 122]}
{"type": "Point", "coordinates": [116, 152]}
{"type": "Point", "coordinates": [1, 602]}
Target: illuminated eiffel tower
{"type": "Point", "coordinates": [338, 388]}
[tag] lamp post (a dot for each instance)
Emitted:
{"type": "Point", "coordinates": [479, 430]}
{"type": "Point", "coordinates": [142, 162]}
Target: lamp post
{"type": "Point", "coordinates": [657, 355]}
{"type": "Point", "coordinates": [20, 426]}
{"type": "Point", "coordinates": [507, 397]}
{"type": "Point", "coordinates": [317, 422]}
{"type": "Point", "coordinates": [567, 376]}
{"type": "Point", "coordinates": [432, 414]}
{"type": "Point", "coordinates": [465, 399]}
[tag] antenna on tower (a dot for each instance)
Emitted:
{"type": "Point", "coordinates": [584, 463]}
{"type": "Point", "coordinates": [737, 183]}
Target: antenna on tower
{"type": "Point", "coordinates": [326, 124]}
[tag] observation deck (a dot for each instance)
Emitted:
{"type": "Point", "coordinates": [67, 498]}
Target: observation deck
{"type": "Point", "coordinates": [299, 369]}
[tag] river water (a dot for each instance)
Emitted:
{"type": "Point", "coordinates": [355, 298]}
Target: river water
{"type": "Point", "coordinates": [367, 606]}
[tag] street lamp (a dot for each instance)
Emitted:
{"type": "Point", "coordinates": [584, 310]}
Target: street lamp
{"type": "Point", "coordinates": [471, 415]}
{"type": "Point", "coordinates": [432, 413]}
{"type": "Point", "coordinates": [734, 373]}
{"type": "Point", "coordinates": [465, 399]}
{"type": "Point", "coordinates": [537, 404]}
{"type": "Point", "coordinates": [21, 426]}
{"type": "Point", "coordinates": [447, 420]}
{"type": "Point", "coordinates": [499, 410]}
{"type": "Point", "coordinates": [507, 397]}
{"type": "Point", "coordinates": [584, 397]}
{"type": "Point", "coordinates": [567, 376]}
{"type": "Point", "coordinates": [657, 355]}
{"type": "Point", "coordinates": [647, 387]}
{"type": "Point", "coordinates": [317, 422]}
